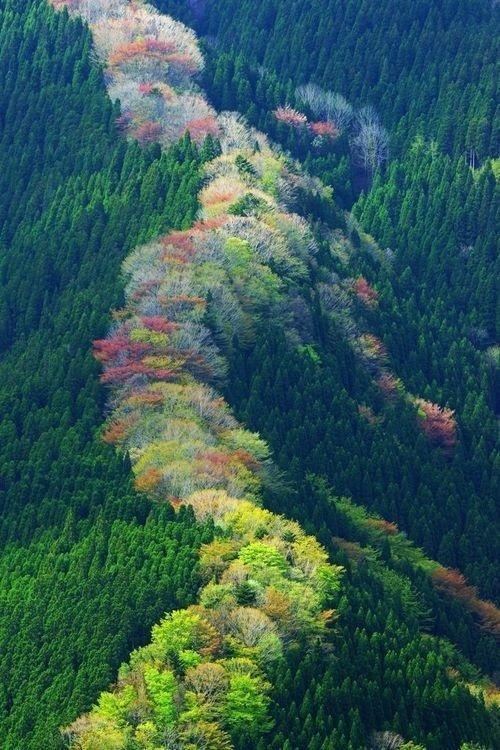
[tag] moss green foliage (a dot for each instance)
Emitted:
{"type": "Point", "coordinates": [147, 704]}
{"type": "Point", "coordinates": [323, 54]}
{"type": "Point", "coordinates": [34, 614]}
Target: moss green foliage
{"type": "Point", "coordinates": [204, 672]}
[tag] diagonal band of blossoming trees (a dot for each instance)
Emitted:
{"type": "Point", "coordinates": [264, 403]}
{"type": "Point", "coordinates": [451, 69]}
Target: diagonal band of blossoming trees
{"type": "Point", "coordinates": [201, 682]}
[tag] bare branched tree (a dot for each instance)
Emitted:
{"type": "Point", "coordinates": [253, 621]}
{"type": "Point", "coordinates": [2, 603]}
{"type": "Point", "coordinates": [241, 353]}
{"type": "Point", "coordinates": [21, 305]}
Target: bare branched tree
{"type": "Point", "coordinates": [338, 110]}
{"type": "Point", "coordinates": [329, 105]}
{"type": "Point", "coordinates": [313, 96]}
{"type": "Point", "coordinates": [386, 741]}
{"type": "Point", "coordinates": [370, 146]}
{"type": "Point", "coordinates": [367, 116]}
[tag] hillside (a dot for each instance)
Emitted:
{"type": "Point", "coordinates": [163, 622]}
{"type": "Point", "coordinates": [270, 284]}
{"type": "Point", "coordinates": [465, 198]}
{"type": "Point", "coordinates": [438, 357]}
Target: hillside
{"type": "Point", "coordinates": [287, 615]}
{"type": "Point", "coordinates": [80, 550]}
{"type": "Point", "coordinates": [433, 208]}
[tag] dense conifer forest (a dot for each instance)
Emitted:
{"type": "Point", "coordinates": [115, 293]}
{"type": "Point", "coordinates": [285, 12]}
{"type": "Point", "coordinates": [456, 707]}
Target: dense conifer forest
{"type": "Point", "coordinates": [262, 512]}
{"type": "Point", "coordinates": [433, 208]}
{"type": "Point", "coordinates": [81, 551]}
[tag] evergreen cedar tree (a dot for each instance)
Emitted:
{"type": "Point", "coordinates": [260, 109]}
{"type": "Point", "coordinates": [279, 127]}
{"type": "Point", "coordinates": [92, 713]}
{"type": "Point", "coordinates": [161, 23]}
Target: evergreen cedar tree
{"type": "Point", "coordinates": [72, 525]}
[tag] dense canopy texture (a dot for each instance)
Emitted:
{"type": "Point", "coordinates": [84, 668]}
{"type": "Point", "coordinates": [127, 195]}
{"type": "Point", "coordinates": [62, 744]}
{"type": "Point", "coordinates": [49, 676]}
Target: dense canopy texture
{"type": "Point", "coordinates": [285, 383]}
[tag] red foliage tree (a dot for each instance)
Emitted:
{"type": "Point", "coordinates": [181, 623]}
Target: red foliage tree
{"type": "Point", "coordinates": [146, 398]}
{"type": "Point", "coordinates": [116, 431]}
{"type": "Point", "coordinates": [438, 424]}
{"type": "Point", "coordinates": [183, 299]}
{"type": "Point", "coordinates": [148, 480]}
{"type": "Point", "coordinates": [373, 349]}
{"type": "Point", "coordinates": [119, 345]}
{"type": "Point", "coordinates": [180, 246]}
{"type": "Point", "coordinates": [365, 292]}
{"type": "Point", "coordinates": [198, 129]}
{"type": "Point", "coordinates": [119, 374]}
{"type": "Point", "coordinates": [367, 413]}
{"type": "Point", "coordinates": [148, 132]}
{"type": "Point", "coordinates": [489, 614]}
{"type": "Point", "coordinates": [123, 122]}
{"type": "Point", "coordinates": [453, 583]}
{"type": "Point", "coordinates": [207, 225]}
{"type": "Point", "coordinates": [107, 349]}
{"type": "Point", "coordinates": [324, 129]}
{"type": "Point", "coordinates": [246, 458]}
{"type": "Point", "coordinates": [146, 88]}
{"type": "Point", "coordinates": [159, 324]}
{"type": "Point", "coordinates": [353, 550]}
{"type": "Point", "coordinates": [141, 47]}
{"type": "Point", "coordinates": [183, 62]}
{"type": "Point", "coordinates": [386, 527]}
{"type": "Point", "coordinates": [144, 287]}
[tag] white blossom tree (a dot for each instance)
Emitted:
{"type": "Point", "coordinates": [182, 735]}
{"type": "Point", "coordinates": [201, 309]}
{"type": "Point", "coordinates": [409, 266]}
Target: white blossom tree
{"type": "Point", "coordinates": [370, 145]}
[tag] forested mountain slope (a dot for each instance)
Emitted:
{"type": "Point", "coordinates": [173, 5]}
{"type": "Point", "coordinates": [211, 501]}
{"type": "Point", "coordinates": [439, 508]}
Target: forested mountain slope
{"type": "Point", "coordinates": [429, 65]}
{"type": "Point", "coordinates": [192, 296]}
{"type": "Point", "coordinates": [433, 208]}
{"type": "Point", "coordinates": [86, 565]}
{"type": "Point", "coordinates": [90, 561]}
